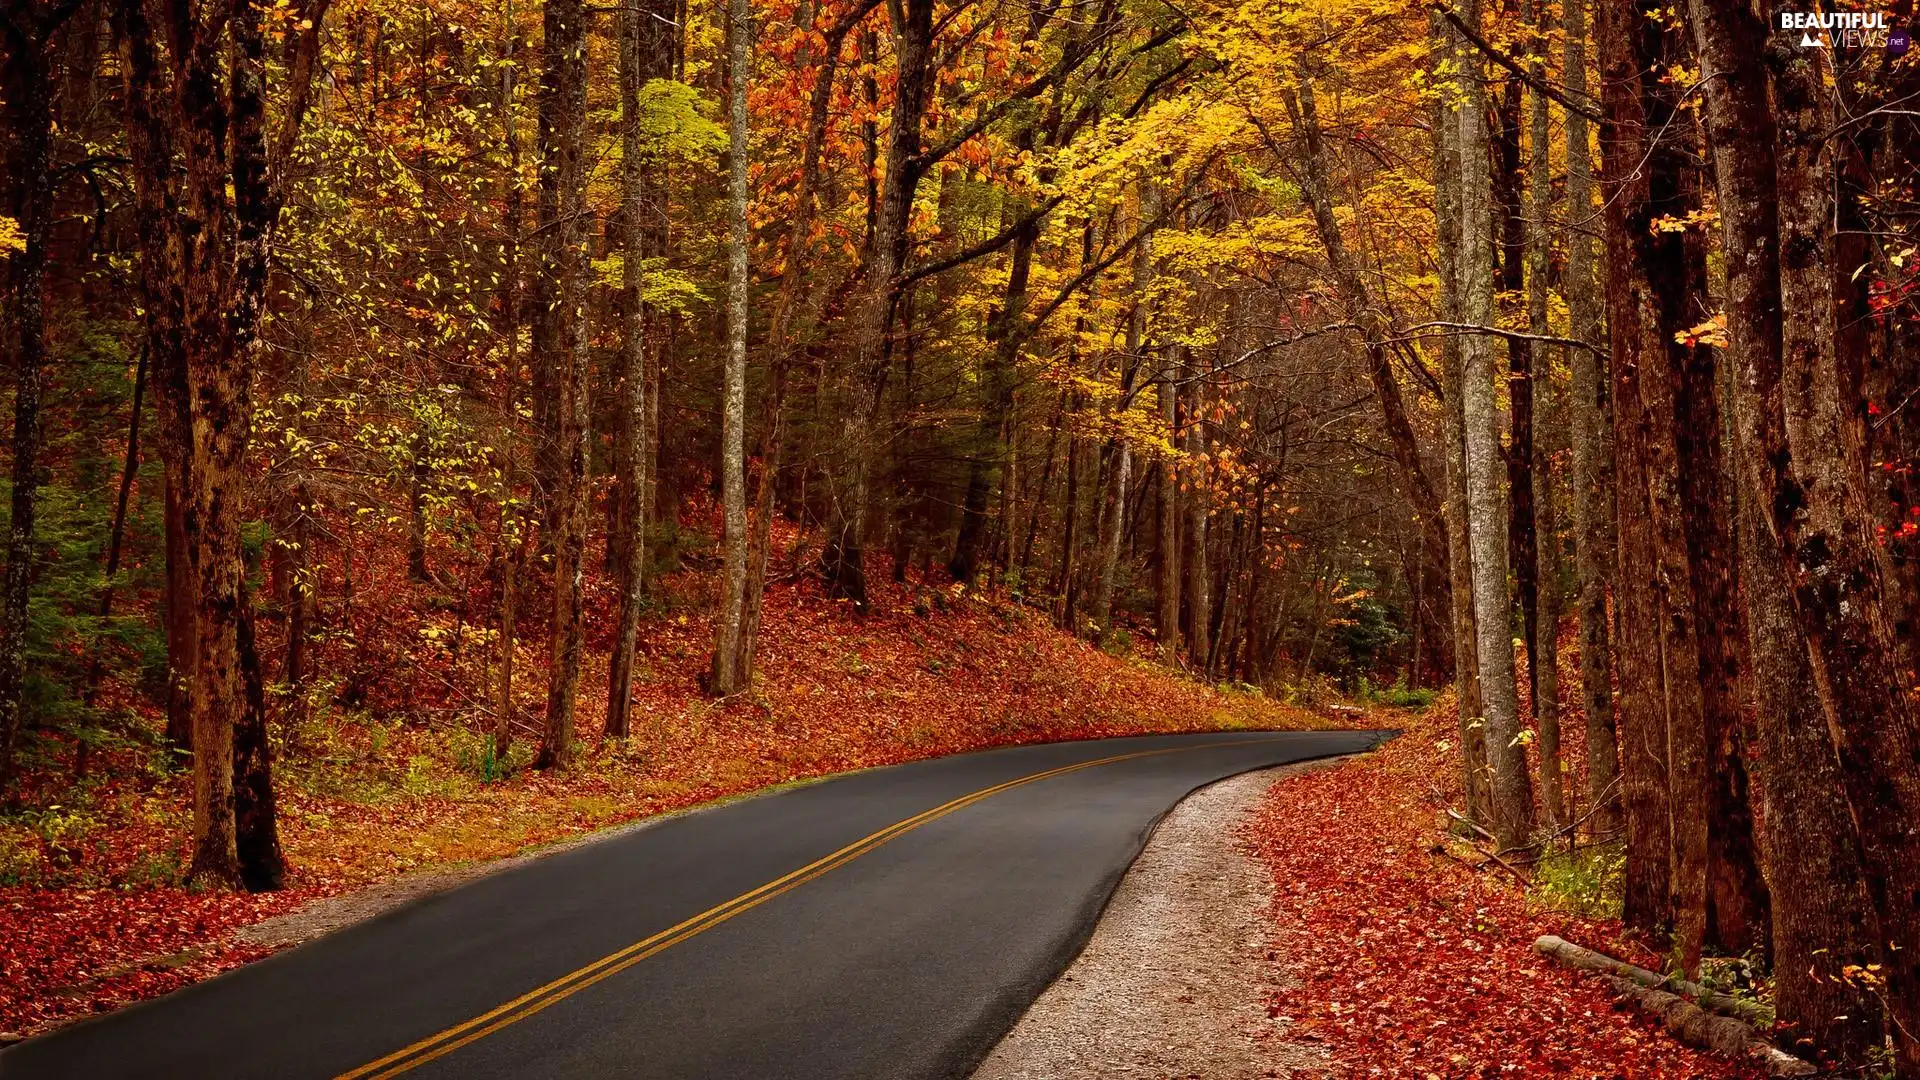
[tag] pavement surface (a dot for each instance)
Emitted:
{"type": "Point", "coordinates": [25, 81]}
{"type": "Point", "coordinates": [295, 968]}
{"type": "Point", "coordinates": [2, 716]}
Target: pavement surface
{"type": "Point", "coordinates": [888, 923]}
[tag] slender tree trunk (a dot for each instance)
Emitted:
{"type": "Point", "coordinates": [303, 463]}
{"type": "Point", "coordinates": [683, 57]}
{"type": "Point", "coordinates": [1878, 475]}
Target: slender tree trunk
{"type": "Point", "coordinates": [1167, 534]}
{"type": "Point", "coordinates": [1512, 788]}
{"type": "Point", "coordinates": [1544, 660]}
{"type": "Point", "coordinates": [630, 554]}
{"type": "Point", "coordinates": [1589, 429]}
{"type": "Point", "coordinates": [559, 344]}
{"type": "Point", "coordinates": [842, 558]}
{"type": "Point", "coordinates": [512, 518]}
{"type": "Point", "coordinates": [730, 672]}
{"type": "Point", "coordinates": [1509, 184]}
{"type": "Point", "coordinates": [417, 510]}
{"type": "Point", "coordinates": [996, 403]}
{"type": "Point", "coordinates": [1317, 186]}
{"type": "Point", "coordinates": [1446, 155]}
{"type": "Point", "coordinates": [28, 82]}
{"type": "Point", "coordinates": [116, 540]}
{"type": "Point", "coordinates": [1199, 505]}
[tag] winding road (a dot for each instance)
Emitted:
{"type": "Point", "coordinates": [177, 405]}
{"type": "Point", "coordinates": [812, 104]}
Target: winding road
{"type": "Point", "coordinates": [887, 923]}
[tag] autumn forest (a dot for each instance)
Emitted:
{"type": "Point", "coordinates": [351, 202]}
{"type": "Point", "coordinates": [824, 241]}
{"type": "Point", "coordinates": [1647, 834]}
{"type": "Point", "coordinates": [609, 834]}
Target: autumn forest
{"type": "Point", "coordinates": [470, 396]}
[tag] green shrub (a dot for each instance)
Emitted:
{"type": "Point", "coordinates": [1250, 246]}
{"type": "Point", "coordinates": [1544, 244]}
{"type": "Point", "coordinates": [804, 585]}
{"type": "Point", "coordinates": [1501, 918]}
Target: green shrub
{"type": "Point", "coordinates": [1585, 882]}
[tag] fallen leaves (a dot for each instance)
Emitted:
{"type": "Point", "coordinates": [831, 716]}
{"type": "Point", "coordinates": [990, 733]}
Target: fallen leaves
{"type": "Point", "coordinates": [1410, 966]}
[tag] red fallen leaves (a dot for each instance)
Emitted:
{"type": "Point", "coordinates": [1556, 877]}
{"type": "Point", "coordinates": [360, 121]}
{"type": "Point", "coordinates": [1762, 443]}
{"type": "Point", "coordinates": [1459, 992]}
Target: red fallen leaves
{"type": "Point", "coordinates": [922, 676]}
{"type": "Point", "coordinates": [72, 952]}
{"type": "Point", "coordinates": [1410, 965]}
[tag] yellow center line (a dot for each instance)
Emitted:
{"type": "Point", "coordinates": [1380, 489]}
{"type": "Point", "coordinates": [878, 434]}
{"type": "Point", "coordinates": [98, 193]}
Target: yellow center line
{"type": "Point", "coordinates": [446, 1042]}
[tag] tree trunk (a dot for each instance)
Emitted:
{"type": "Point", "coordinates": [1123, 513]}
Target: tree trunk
{"type": "Point", "coordinates": [559, 344]}
{"type": "Point", "coordinates": [1544, 659]}
{"type": "Point", "coordinates": [1445, 120]}
{"type": "Point", "coordinates": [1198, 501]}
{"type": "Point", "coordinates": [1633, 324]}
{"type": "Point", "coordinates": [996, 398]}
{"type": "Point", "coordinates": [1512, 788]}
{"type": "Point", "coordinates": [1167, 534]}
{"type": "Point", "coordinates": [1589, 428]}
{"type": "Point", "coordinates": [1811, 467]}
{"type": "Point", "coordinates": [1821, 920]}
{"type": "Point", "coordinates": [1522, 536]}
{"type": "Point", "coordinates": [730, 671]}
{"type": "Point", "coordinates": [847, 519]}
{"type": "Point", "coordinates": [28, 83]}
{"type": "Point", "coordinates": [1316, 186]}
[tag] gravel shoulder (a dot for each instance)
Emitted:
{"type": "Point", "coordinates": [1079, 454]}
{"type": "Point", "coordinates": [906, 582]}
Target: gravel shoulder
{"type": "Point", "coordinates": [1173, 982]}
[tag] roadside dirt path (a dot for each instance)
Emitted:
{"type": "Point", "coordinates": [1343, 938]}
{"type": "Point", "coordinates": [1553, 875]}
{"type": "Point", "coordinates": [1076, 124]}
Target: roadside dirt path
{"type": "Point", "coordinates": [1172, 983]}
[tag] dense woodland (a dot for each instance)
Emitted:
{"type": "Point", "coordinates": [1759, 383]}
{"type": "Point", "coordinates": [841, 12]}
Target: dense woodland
{"type": "Point", "coordinates": [1290, 341]}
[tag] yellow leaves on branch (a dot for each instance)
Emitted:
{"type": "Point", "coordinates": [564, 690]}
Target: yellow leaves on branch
{"type": "Point", "coordinates": [1703, 218]}
{"type": "Point", "coordinates": [10, 238]}
{"type": "Point", "coordinates": [1712, 333]}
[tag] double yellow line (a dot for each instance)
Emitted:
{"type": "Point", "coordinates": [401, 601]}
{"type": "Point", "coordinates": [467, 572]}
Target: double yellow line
{"type": "Point", "coordinates": [446, 1042]}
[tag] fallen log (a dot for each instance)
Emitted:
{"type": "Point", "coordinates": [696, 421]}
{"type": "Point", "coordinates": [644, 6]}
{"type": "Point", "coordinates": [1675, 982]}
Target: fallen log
{"type": "Point", "coordinates": [1731, 1035]}
{"type": "Point", "coordinates": [1573, 956]}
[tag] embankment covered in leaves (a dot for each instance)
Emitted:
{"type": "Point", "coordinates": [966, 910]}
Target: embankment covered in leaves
{"type": "Point", "coordinates": [1408, 963]}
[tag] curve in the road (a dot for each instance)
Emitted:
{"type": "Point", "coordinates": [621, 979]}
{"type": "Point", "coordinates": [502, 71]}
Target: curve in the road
{"type": "Point", "coordinates": [939, 898]}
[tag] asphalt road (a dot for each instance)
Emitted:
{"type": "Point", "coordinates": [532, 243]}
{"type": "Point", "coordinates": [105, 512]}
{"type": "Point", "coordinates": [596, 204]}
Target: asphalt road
{"type": "Point", "coordinates": [889, 923]}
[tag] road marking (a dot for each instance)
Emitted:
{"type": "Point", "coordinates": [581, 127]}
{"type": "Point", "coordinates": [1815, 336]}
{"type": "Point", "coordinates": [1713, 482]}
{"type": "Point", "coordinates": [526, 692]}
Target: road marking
{"type": "Point", "coordinates": [446, 1042]}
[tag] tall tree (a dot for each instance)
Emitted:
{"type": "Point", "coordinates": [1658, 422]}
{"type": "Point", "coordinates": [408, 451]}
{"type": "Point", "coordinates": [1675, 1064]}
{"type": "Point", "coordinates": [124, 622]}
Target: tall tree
{"type": "Point", "coordinates": [207, 105]}
{"type": "Point", "coordinates": [1512, 787]}
{"type": "Point", "coordinates": [731, 671]}
{"type": "Point", "coordinates": [912, 90]}
{"type": "Point", "coordinates": [1589, 434]}
{"type": "Point", "coordinates": [1429, 574]}
{"type": "Point", "coordinates": [1820, 919]}
{"type": "Point", "coordinates": [627, 546]}
{"type": "Point", "coordinates": [560, 347]}
{"type": "Point", "coordinates": [1544, 659]}
{"type": "Point", "coordinates": [28, 81]}
{"type": "Point", "coordinates": [1444, 119]}
{"type": "Point", "coordinates": [1808, 458]}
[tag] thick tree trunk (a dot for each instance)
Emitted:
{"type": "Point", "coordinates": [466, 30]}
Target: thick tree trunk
{"type": "Point", "coordinates": [1821, 919]}
{"type": "Point", "coordinates": [1512, 788]}
{"type": "Point", "coordinates": [731, 674]}
{"type": "Point", "coordinates": [1811, 468]}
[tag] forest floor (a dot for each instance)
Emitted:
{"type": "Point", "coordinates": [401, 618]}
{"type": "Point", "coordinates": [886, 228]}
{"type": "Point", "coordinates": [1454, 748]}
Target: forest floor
{"type": "Point", "coordinates": [1410, 963]}
{"type": "Point", "coordinates": [93, 917]}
